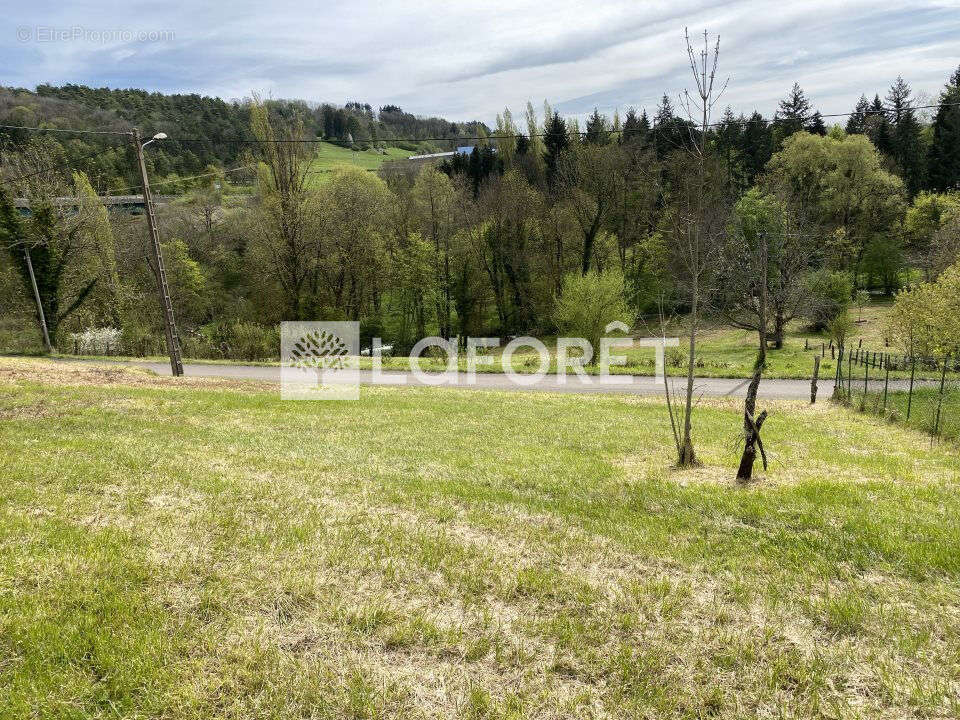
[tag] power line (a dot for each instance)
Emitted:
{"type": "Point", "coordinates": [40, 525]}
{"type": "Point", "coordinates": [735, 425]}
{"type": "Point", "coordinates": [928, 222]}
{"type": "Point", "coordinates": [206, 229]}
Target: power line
{"type": "Point", "coordinates": [741, 121]}
{"type": "Point", "coordinates": [256, 141]}
{"type": "Point", "coordinates": [69, 163]}
{"type": "Point", "coordinates": [186, 179]}
{"type": "Point", "coordinates": [66, 130]}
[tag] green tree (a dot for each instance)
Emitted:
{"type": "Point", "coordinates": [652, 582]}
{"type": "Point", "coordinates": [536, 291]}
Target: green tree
{"type": "Point", "coordinates": [839, 184]}
{"type": "Point", "coordinates": [944, 153]}
{"type": "Point", "coordinates": [555, 141]}
{"type": "Point", "coordinates": [597, 129]}
{"type": "Point", "coordinates": [926, 319]}
{"type": "Point", "coordinates": [906, 144]}
{"type": "Point", "coordinates": [434, 199]}
{"type": "Point", "coordinates": [505, 138]}
{"type": "Point", "coordinates": [99, 238]}
{"type": "Point", "coordinates": [764, 258]}
{"type": "Point", "coordinates": [284, 210]}
{"type": "Point", "coordinates": [52, 240]}
{"type": "Point", "coordinates": [757, 146]}
{"type": "Point", "coordinates": [792, 115]}
{"type": "Point", "coordinates": [878, 127]}
{"type": "Point", "coordinates": [928, 217]}
{"type": "Point", "coordinates": [857, 122]}
{"type": "Point", "coordinates": [587, 304]}
{"type": "Point", "coordinates": [828, 297]}
{"type": "Point", "coordinates": [353, 208]}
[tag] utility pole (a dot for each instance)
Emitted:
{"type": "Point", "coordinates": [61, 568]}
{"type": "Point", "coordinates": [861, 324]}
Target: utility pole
{"type": "Point", "coordinates": [170, 326]}
{"type": "Point", "coordinates": [36, 296]}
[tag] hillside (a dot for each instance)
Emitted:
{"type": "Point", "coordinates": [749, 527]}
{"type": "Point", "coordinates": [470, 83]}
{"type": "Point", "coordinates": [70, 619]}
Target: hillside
{"type": "Point", "coordinates": [203, 131]}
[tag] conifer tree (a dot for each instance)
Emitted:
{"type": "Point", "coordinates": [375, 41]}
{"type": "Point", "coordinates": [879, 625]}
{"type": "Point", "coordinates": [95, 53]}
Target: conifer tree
{"type": "Point", "coordinates": [555, 142]}
{"type": "Point", "coordinates": [878, 127]}
{"type": "Point", "coordinates": [597, 129]}
{"type": "Point", "coordinates": [944, 155]}
{"type": "Point", "coordinates": [668, 130]}
{"type": "Point", "coordinates": [632, 131]}
{"type": "Point", "coordinates": [645, 126]}
{"type": "Point", "coordinates": [857, 122]}
{"type": "Point", "coordinates": [906, 144]}
{"type": "Point", "coordinates": [757, 146]}
{"type": "Point", "coordinates": [793, 114]}
{"type": "Point", "coordinates": [816, 126]}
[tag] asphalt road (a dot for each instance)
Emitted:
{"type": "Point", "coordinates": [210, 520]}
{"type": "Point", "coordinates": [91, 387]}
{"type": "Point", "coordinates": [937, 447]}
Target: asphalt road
{"type": "Point", "coordinates": [615, 384]}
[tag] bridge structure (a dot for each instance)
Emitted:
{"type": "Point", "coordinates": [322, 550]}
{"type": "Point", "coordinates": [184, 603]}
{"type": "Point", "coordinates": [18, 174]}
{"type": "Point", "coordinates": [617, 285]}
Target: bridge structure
{"type": "Point", "coordinates": [129, 204]}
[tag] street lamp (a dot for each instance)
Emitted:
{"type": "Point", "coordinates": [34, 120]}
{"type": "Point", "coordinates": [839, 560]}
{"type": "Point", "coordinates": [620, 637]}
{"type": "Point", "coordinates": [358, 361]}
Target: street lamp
{"type": "Point", "coordinates": [158, 136]}
{"type": "Point", "coordinates": [170, 326]}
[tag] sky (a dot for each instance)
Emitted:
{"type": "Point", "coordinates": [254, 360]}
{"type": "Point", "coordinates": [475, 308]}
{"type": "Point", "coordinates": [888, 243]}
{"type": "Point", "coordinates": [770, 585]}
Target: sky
{"type": "Point", "coordinates": [469, 60]}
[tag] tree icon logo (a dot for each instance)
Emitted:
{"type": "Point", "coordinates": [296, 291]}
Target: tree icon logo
{"type": "Point", "coordinates": [320, 360]}
{"type": "Point", "coordinates": [319, 350]}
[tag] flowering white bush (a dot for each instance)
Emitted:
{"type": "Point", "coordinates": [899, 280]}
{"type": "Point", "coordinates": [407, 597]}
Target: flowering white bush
{"type": "Point", "coordinates": [96, 341]}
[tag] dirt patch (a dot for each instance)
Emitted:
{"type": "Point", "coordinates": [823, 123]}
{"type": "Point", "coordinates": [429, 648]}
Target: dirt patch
{"type": "Point", "coordinates": [36, 411]}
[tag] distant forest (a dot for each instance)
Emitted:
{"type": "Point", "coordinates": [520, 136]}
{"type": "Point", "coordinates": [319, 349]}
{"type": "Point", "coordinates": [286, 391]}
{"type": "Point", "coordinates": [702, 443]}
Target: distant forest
{"type": "Point", "coordinates": [203, 130]}
{"type": "Point", "coordinates": [548, 220]}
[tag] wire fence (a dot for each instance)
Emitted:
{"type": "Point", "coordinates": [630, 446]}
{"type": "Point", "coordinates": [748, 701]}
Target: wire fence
{"type": "Point", "coordinates": [921, 392]}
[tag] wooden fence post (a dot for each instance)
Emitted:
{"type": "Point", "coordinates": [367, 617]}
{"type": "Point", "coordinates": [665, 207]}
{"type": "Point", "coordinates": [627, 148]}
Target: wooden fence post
{"type": "Point", "coordinates": [816, 376]}
{"type": "Point", "coordinates": [913, 372]}
{"type": "Point", "coordinates": [850, 377]}
{"type": "Point", "coordinates": [837, 381]}
{"type": "Point", "coordinates": [866, 380]}
{"type": "Point", "coordinates": [886, 386]}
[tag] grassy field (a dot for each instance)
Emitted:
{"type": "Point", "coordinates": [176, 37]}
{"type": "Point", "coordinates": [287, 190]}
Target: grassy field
{"type": "Point", "coordinates": [330, 157]}
{"type": "Point", "coordinates": [197, 549]}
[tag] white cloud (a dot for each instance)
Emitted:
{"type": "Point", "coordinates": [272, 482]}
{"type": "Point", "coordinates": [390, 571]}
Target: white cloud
{"type": "Point", "coordinates": [466, 60]}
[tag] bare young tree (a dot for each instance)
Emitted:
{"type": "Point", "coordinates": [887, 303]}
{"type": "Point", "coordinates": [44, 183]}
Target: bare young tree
{"type": "Point", "coordinates": [698, 216]}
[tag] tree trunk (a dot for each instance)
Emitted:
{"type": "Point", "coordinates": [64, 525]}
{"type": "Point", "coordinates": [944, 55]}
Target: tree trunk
{"type": "Point", "coordinates": [588, 239]}
{"type": "Point", "coordinates": [751, 424]}
{"type": "Point", "coordinates": [752, 442]}
{"type": "Point", "coordinates": [778, 330]}
{"type": "Point", "coordinates": [687, 455]}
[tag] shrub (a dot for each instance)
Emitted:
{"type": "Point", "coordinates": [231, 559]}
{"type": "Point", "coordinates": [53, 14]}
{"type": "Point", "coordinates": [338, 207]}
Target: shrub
{"type": "Point", "coordinates": [675, 357]}
{"type": "Point", "coordinates": [828, 297]}
{"type": "Point", "coordinates": [96, 341]}
{"type": "Point", "coordinates": [840, 328]}
{"type": "Point", "coordinates": [249, 341]}
{"type": "Point", "coordinates": [926, 319]}
{"type": "Point", "coordinates": [588, 303]}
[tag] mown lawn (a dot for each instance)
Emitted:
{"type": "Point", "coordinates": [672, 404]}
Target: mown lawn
{"type": "Point", "coordinates": [198, 548]}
